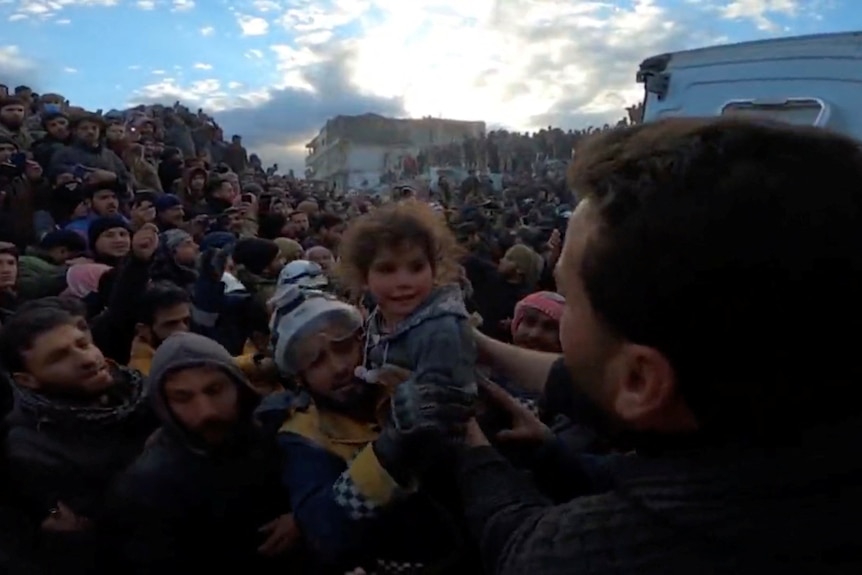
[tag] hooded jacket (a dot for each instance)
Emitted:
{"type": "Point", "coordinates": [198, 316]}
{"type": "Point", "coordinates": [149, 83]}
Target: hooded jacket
{"type": "Point", "coordinates": [435, 342]}
{"type": "Point", "coordinates": [184, 506]}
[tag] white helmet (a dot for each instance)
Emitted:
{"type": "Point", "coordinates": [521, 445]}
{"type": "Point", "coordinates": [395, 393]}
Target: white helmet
{"type": "Point", "coordinates": [303, 273]}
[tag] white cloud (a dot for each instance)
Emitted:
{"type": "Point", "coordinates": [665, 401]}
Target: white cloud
{"type": "Point", "coordinates": [266, 5]}
{"type": "Point", "coordinates": [514, 63]}
{"type": "Point", "coordinates": [207, 31]}
{"type": "Point", "coordinates": [17, 17]}
{"type": "Point", "coordinates": [207, 94]}
{"type": "Point", "coordinates": [253, 54]}
{"type": "Point", "coordinates": [14, 60]}
{"type": "Point", "coordinates": [63, 22]}
{"type": "Point", "coordinates": [309, 16]}
{"type": "Point", "coordinates": [146, 4]}
{"type": "Point", "coordinates": [183, 5]}
{"type": "Point", "coordinates": [760, 11]}
{"type": "Point", "coordinates": [135, 67]}
{"type": "Point", "coordinates": [234, 85]}
{"type": "Point", "coordinates": [202, 66]}
{"type": "Point", "coordinates": [158, 72]}
{"type": "Point", "coordinates": [252, 25]}
{"type": "Point", "coordinates": [292, 63]}
{"type": "Point", "coordinates": [48, 9]}
{"type": "Point", "coordinates": [318, 37]}
{"type": "Point", "coordinates": [70, 70]}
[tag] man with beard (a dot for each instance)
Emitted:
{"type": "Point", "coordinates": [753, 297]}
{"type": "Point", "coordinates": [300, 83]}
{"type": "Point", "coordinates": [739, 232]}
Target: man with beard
{"type": "Point", "coordinates": [88, 158]}
{"type": "Point", "coordinates": [206, 493]}
{"type": "Point", "coordinates": [352, 478]}
{"type": "Point", "coordinates": [693, 240]}
{"type": "Point", "coordinates": [78, 420]}
{"type": "Point", "coordinates": [13, 111]}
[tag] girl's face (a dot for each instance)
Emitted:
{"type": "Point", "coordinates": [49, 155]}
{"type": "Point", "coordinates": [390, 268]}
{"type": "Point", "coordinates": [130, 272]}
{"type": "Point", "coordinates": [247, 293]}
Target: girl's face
{"type": "Point", "coordinates": [400, 279]}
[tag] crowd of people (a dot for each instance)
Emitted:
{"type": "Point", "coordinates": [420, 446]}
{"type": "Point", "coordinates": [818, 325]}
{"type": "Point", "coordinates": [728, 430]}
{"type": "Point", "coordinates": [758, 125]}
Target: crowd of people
{"type": "Point", "coordinates": [208, 365]}
{"type": "Point", "coordinates": [512, 153]}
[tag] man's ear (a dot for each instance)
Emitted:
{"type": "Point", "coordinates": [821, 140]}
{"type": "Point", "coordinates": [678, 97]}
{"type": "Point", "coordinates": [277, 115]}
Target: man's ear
{"type": "Point", "coordinates": [25, 380]}
{"type": "Point", "coordinates": [646, 395]}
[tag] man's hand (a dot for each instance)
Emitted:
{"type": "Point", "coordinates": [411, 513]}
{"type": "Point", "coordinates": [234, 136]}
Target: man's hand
{"type": "Point", "coordinates": [199, 225]}
{"type": "Point", "coordinates": [526, 426]}
{"type": "Point", "coordinates": [145, 242]}
{"type": "Point", "coordinates": [475, 437]}
{"type": "Point", "coordinates": [62, 519]}
{"type": "Point", "coordinates": [32, 171]}
{"type": "Point", "coordinates": [282, 534]}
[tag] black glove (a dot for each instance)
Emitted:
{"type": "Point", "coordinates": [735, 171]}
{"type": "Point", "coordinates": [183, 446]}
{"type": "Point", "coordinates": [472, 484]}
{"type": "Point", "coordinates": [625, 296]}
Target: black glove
{"type": "Point", "coordinates": [424, 418]}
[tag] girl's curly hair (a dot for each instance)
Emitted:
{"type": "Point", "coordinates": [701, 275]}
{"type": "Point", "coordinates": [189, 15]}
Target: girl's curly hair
{"type": "Point", "coordinates": [394, 226]}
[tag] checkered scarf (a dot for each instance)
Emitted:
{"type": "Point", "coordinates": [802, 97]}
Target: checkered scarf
{"type": "Point", "coordinates": [114, 406]}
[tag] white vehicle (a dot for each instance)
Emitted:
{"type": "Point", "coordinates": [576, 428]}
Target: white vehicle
{"type": "Point", "coordinates": [814, 80]}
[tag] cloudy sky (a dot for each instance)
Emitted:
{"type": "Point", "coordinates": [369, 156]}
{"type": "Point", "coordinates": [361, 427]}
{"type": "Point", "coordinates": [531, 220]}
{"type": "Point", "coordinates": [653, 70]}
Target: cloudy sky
{"type": "Point", "coordinates": [275, 70]}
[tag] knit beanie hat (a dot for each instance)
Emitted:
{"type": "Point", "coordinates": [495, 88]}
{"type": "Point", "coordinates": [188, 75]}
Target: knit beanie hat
{"type": "Point", "coordinates": [101, 225]}
{"type": "Point", "coordinates": [303, 321]}
{"type": "Point", "coordinates": [63, 238]}
{"type": "Point", "coordinates": [172, 239]}
{"type": "Point", "coordinates": [167, 201]}
{"type": "Point", "coordinates": [255, 254]}
{"type": "Point", "coordinates": [549, 303]}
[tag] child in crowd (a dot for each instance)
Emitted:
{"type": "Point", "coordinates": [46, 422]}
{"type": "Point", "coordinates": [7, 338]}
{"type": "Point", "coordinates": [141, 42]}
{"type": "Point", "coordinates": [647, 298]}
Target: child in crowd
{"type": "Point", "coordinates": [405, 258]}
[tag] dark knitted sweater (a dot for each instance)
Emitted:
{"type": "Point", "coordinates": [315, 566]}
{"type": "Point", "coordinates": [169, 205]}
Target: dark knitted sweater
{"type": "Point", "coordinates": [683, 510]}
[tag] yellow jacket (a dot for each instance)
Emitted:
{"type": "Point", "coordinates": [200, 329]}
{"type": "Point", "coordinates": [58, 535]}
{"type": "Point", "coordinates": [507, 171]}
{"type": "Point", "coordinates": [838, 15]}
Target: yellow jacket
{"type": "Point", "coordinates": [141, 358]}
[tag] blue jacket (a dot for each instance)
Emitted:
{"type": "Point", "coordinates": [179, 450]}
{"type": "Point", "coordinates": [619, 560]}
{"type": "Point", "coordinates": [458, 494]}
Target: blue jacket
{"type": "Point", "coordinates": [348, 507]}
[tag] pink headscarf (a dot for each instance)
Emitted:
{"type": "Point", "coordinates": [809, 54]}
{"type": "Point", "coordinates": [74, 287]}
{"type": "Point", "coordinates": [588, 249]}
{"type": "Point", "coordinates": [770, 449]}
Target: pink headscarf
{"type": "Point", "coordinates": [547, 302]}
{"type": "Point", "coordinates": [83, 279]}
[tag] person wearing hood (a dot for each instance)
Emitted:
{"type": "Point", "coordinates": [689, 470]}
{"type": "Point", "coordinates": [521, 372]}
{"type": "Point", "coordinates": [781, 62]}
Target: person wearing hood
{"type": "Point", "coordinates": [78, 421]}
{"type": "Point", "coordinates": [206, 491]}
{"type": "Point", "coordinates": [194, 187]}
{"type": "Point", "coordinates": [350, 469]}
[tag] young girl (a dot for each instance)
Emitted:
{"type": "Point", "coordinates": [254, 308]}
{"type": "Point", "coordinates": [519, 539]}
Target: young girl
{"type": "Point", "coordinates": [405, 258]}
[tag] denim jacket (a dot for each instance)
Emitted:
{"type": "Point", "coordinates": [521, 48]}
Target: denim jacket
{"type": "Point", "coordinates": [435, 342]}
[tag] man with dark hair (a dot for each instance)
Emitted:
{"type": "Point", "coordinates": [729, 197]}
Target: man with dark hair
{"type": "Point", "coordinates": [164, 309]}
{"type": "Point", "coordinates": [78, 420]}
{"type": "Point", "coordinates": [71, 305]}
{"type": "Point", "coordinates": [702, 282]}
{"type": "Point", "coordinates": [325, 230]}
